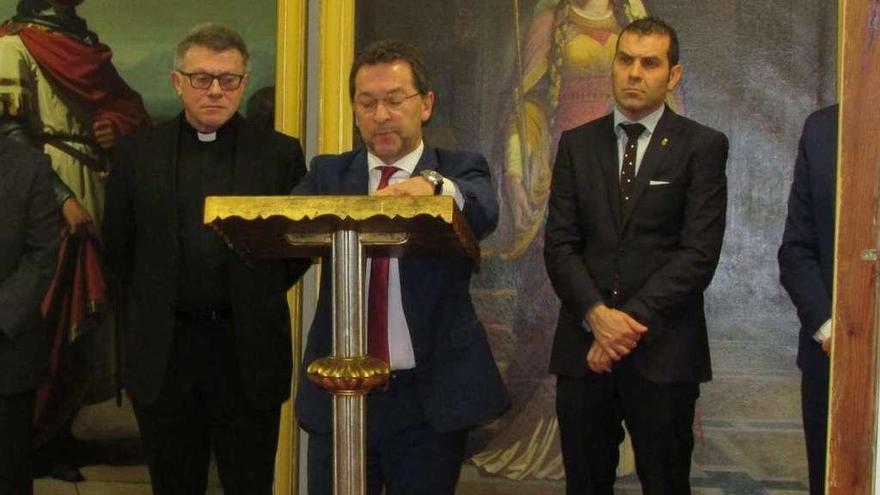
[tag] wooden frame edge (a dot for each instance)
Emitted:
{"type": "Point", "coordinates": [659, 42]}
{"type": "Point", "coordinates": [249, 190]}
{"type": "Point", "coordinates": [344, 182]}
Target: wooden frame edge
{"type": "Point", "coordinates": [852, 433]}
{"type": "Point", "coordinates": [291, 58]}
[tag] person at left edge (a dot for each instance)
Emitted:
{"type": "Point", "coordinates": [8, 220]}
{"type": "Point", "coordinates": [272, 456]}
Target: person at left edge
{"type": "Point", "coordinates": [206, 348]}
{"type": "Point", "coordinates": [29, 227]}
{"type": "Point", "coordinates": [443, 377]}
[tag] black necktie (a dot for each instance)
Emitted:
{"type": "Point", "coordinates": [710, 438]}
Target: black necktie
{"type": "Point", "coordinates": [630, 152]}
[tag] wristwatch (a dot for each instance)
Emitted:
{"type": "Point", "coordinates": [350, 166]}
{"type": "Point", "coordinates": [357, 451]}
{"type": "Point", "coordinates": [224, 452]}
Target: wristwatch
{"type": "Point", "coordinates": [434, 179]}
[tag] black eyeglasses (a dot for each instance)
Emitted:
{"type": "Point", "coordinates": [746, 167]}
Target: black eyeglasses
{"type": "Point", "coordinates": [203, 80]}
{"type": "Point", "coordinates": [392, 102]}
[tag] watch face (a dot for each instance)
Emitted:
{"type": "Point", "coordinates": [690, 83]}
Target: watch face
{"type": "Point", "coordinates": [434, 179]}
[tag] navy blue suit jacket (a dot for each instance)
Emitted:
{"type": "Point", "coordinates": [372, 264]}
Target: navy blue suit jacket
{"type": "Point", "coordinates": [458, 380]}
{"type": "Point", "coordinates": [806, 257]}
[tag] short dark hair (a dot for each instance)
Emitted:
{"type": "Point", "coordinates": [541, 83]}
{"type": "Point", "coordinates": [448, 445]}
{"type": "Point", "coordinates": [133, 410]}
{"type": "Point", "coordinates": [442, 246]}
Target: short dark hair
{"type": "Point", "coordinates": [389, 51]}
{"type": "Point", "coordinates": [652, 25]}
{"type": "Point", "coordinates": [214, 37]}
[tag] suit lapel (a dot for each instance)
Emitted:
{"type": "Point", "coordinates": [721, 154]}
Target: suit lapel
{"type": "Point", "coordinates": [659, 150]}
{"type": "Point", "coordinates": [166, 141]}
{"type": "Point", "coordinates": [356, 180]}
{"type": "Point", "coordinates": [606, 155]}
{"type": "Point", "coordinates": [428, 161]}
{"type": "Point", "coordinates": [245, 166]}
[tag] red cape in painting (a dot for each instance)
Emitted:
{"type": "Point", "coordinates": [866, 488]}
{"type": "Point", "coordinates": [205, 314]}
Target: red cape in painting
{"type": "Point", "coordinates": [85, 73]}
{"type": "Point", "coordinates": [75, 300]}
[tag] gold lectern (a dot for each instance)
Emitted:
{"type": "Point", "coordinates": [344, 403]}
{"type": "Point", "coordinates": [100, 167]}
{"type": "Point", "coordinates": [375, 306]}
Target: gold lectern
{"type": "Point", "coordinates": [348, 229]}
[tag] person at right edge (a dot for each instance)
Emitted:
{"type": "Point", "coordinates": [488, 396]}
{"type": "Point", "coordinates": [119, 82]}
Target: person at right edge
{"type": "Point", "coordinates": [634, 231]}
{"type": "Point", "coordinates": [806, 266]}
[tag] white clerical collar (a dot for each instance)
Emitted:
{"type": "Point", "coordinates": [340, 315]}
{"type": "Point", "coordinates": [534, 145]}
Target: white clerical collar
{"type": "Point", "coordinates": [207, 137]}
{"type": "Point", "coordinates": [649, 121]}
{"type": "Point", "coordinates": [407, 162]}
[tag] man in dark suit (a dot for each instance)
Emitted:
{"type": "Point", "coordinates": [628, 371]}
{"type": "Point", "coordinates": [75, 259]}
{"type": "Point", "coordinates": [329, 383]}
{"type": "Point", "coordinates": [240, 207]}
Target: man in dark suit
{"type": "Point", "coordinates": [634, 231]}
{"type": "Point", "coordinates": [806, 264]}
{"type": "Point", "coordinates": [420, 317]}
{"type": "Point", "coordinates": [207, 351]}
{"type": "Point", "coordinates": [30, 226]}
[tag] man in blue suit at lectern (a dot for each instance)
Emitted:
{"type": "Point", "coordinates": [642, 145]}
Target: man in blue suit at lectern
{"type": "Point", "coordinates": [420, 318]}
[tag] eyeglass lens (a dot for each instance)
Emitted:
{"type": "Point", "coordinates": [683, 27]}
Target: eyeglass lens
{"type": "Point", "coordinates": [202, 80]}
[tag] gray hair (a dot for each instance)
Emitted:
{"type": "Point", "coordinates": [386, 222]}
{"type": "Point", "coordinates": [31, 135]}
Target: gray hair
{"type": "Point", "coordinates": [214, 37]}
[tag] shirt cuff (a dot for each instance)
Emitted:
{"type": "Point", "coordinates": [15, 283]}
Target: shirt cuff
{"type": "Point", "coordinates": [824, 332]}
{"type": "Point", "coordinates": [450, 189]}
{"type": "Point", "coordinates": [586, 326]}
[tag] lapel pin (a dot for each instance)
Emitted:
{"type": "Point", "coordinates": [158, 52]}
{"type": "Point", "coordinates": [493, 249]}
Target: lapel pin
{"type": "Point", "coordinates": [664, 142]}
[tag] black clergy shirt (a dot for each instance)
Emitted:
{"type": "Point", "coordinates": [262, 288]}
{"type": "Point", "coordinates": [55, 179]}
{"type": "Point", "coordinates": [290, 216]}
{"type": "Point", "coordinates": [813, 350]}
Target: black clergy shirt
{"type": "Point", "coordinates": [204, 168]}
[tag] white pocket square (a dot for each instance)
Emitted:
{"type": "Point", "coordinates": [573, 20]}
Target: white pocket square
{"type": "Point", "coordinates": [659, 182]}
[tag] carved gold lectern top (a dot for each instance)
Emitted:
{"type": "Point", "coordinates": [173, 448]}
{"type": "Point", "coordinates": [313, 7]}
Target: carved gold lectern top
{"type": "Point", "coordinates": [299, 226]}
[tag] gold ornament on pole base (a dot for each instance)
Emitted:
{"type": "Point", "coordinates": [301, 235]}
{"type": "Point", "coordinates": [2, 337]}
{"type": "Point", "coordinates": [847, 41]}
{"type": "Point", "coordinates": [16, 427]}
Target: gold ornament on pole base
{"type": "Point", "coordinates": [349, 376]}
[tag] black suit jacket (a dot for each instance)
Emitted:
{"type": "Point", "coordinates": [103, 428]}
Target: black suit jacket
{"type": "Point", "coordinates": [653, 259]}
{"type": "Point", "coordinates": [141, 241]}
{"type": "Point", "coordinates": [806, 256]}
{"type": "Point", "coordinates": [459, 383]}
{"type": "Point", "coordinates": [29, 232]}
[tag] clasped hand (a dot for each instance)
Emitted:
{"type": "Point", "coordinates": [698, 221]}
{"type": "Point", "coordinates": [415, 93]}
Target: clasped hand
{"type": "Point", "coordinates": [615, 334]}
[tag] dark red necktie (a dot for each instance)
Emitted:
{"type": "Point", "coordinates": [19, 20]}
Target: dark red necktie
{"type": "Point", "coordinates": [377, 306]}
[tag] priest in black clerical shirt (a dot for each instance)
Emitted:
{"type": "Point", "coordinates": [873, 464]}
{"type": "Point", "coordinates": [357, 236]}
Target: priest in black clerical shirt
{"type": "Point", "coordinates": [205, 164]}
{"type": "Point", "coordinates": [206, 341]}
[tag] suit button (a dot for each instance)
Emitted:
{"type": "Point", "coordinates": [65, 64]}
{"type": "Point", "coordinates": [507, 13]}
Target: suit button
{"type": "Point", "coordinates": [614, 292]}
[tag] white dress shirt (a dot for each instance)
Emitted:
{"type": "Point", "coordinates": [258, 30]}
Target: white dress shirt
{"type": "Point", "coordinates": [400, 349]}
{"type": "Point", "coordinates": [824, 332]}
{"type": "Point", "coordinates": [650, 123]}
